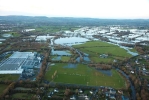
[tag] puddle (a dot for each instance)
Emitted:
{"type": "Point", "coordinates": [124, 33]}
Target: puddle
{"type": "Point", "coordinates": [57, 58]}
{"type": "Point", "coordinates": [106, 72]}
{"type": "Point", "coordinates": [70, 65]}
{"type": "Point", "coordinates": [86, 59]}
{"type": "Point", "coordinates": [2, 40]}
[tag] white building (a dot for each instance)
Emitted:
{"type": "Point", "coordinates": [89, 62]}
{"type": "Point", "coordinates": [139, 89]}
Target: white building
{"type": "Point", "coordinates": [13, 64]}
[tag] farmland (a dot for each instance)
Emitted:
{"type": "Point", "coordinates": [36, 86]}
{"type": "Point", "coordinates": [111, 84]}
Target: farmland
{"type": "Point", "coordinates": [84, 75]}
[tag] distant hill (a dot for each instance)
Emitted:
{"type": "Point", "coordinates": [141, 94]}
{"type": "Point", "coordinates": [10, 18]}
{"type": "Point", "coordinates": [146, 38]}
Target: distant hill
{"type": "Point", "coordinates": [74, 21]}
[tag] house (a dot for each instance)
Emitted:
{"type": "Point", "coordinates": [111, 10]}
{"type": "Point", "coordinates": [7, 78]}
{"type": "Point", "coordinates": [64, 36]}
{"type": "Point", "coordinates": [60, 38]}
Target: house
{"type": "Point", "coordinates": [112, 91]}
{"type": "Point", "coordinates": [56, 90]}
{"type": "Point", "coordinates": [73, 98]}
{"type": "Point", "coordinates": [80, 91]}
{"type": "Point", "coordinates": [120, 91]}
{"type": "Point", "coordinates": [114, 60]}
{"type": "Point", "coordinates": [143, 69]}
{"type": "Point", "coordinates": [132, 72]}
{"type": "Point", "coordinates": [50, 94]}
{"type": "Point", "coordinates": [103, 56]}
{"type": "Point", "coordinates": [112, 96]}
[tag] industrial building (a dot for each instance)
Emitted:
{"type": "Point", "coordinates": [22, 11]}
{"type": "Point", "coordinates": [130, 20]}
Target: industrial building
{"type": "Point", "coordinates": [19, 61]}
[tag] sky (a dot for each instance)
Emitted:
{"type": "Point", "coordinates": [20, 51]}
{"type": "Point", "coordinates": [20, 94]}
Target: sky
{"type": "Point", "coordinates": [116, 9]}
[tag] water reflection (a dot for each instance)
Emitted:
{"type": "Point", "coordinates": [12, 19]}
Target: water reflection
{"type": "Point", "coordinates": [7, 35]}
{"type": "Point", "coordinates": [57, 58]}
{"type": "Point", "coordinates": [116, 42]}
{"type": "Point", "coordinates": [86, 59]}
{"type": "Point", "coordinates": [70, 65]}
{"type": "Point", "coordinates": [61, 53]}
{"type": "Point", "coordinates": [106, 72]}
{"type": "Point", "coordinates": [128, 51]}
{"type": "Point", "coordinates": [71, 40]}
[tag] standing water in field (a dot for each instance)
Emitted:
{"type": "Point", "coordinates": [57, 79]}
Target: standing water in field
{"type": "Point", "coordinates": [7, 35]}
{"type": "Point", "coordinates": [60, 52]}
{"type": "Point", "coordinates": [71, 40]}
{"type": "Point", "coordinates": [70, 65]}
{"type": "Point", "coordinates": [57, 58]}
{"type": "Point", "coordinates": [106, 72]}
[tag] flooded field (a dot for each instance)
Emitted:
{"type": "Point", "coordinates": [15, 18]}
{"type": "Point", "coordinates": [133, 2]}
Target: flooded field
{"type": "Point", "coordinates": [7, 35]}
{"type": "Point", "coordinates": [71, 40]}
{"type": "Point", "coordinates": [87, 52]}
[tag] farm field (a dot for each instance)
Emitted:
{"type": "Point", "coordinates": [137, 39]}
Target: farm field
{"type": "Point", "coordinates": [22, 95]}
{"type": "Point", "coordinates": [97, 48]}
{"type": "Point", "coordinates": [8, 77]}
{"type": "Point", "coordinates": [85, 75]}
{"type": "Point", "coordinates": [2, 88]}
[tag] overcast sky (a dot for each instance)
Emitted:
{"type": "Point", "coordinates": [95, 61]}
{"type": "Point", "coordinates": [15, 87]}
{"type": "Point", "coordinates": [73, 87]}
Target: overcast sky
{"type": "Point", "coordinates": [77, 8]}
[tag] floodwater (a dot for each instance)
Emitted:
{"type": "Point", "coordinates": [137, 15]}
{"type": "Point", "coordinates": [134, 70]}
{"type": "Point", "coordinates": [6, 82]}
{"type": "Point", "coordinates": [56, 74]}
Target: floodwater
{"type": "Point", "coordinates": [61, 52]}
{"type": "Point", "coordinates": [70, 65]}
{"type": "Point", "coordinates": [126, 48]}
{"type": "Point", "coordinates": [7, 35]}
{"type": "Point", "coordinates": [71, 40]}
{"type": "Point", "coordinates": [106, 72]}
{"type": "Point", "coordinates": [2, 40]}
{"type": "Point", "coordinates": [86, 59]}
{"type": "Point", "coordinates": [128, 51]}
{"type": "Point", "coordinates": [57, 58]}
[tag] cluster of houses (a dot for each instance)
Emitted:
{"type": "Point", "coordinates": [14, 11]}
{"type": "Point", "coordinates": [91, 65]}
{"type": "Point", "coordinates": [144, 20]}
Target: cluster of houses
{"type": "Point", "coordinates": [108, 92]}
{"type": "Point", "coordinates": [103, 56]}
{"type": "Point", "coordinates": [139, 65]}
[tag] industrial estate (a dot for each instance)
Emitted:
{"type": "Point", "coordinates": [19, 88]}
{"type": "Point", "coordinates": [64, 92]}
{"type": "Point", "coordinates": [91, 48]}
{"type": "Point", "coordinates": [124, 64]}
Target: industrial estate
{"type": "Point", "coordinates": [59, 59]}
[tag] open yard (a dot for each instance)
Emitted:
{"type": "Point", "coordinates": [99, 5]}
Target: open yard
{"type": "Point", "coordinates": [97, 48]}
{"type": "Point", "coordinates": [83, 74]}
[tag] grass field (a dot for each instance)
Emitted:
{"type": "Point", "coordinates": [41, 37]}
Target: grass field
{"type": "Point", "coordinates": [133, 50]}
{"type": "Point", "coordinates": [84, 75]}
{"type": "Point", "coordinates": [94, 43]}
{"type": "Point", "coordinates": [22, 95]}
{"type": "Point", "coordinates": [14, 34]}
{"type": "Point", "coordinates": [8, 77]}
{"type": "Point", "coordinates": [65, 58]}
{"type": "Point", "coordinates": [2, 88]}
{"type": "Point", "coordinates": [96, 48]}
{"type": "Point", "coordinates": [98, 59]}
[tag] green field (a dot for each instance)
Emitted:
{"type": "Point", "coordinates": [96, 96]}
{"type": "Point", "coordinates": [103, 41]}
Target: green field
{"type": "Point", "coordinates": [133, 50]}
{"type": "Point", "coordinates": [2, 88]}
{"type": "Point", "coordinates": [65, 58]}
{"type": "Point", "coordinates": [22, 95]}
{"type": "Point", "coordinates": [85, 75]}
{"type": "Point", "coordinates": [14, 34]}
{"type": "Point", "coordinates": [98, 59]}
{"type": "Point", "coordinates": [96, 48]}
{"type": "Point", "coordinates": [9, 77]}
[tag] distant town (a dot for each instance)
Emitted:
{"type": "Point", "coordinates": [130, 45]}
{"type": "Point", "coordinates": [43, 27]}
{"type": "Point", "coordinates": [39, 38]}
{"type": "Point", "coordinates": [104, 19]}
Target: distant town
{"type": "Point", "coordinates": [45, 58]}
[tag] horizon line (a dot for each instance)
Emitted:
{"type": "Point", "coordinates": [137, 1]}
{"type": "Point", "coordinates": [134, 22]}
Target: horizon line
{"type": "Point", "coordinates": [76, 17]}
